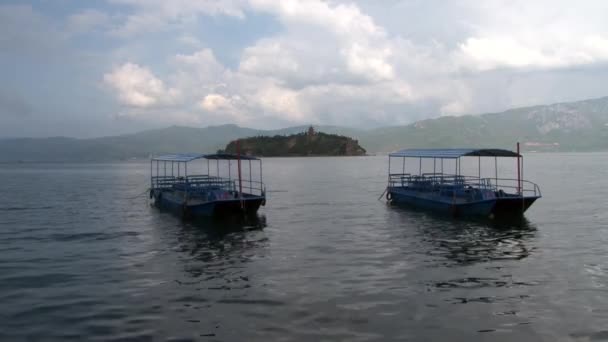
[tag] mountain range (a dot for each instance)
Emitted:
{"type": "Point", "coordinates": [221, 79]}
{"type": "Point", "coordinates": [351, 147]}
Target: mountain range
{"type": "Point", "coordinates": [572, 126]}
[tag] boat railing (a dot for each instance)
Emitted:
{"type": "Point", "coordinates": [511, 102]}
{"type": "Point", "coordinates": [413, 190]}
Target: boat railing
{"type": "Point", "coordinates": [201, 183]}
{"type": "Point", "coordinates": [449, 183]}
{"type": "Point", "coordinates": [163, 182]}
{"type": "Point", "coordinates": [252, 187]}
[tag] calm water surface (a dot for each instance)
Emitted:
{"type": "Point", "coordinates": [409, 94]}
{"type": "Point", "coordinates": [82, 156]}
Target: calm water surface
{"type": "Point", "coordinates": [84, 257]}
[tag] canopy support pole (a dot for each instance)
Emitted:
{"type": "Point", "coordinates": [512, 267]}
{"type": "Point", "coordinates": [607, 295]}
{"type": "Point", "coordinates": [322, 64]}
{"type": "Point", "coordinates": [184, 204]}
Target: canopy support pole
{"type": "Point", "coordinates": [518, 171]}
{"type": "Point", "coordinates": [238, 159]}
{"type": "Point", "coordinates": [522, 175]}
{"type": "Point", "coordinates": [496, 172]}
{"type": "Point", "coordinates": [389, 169]}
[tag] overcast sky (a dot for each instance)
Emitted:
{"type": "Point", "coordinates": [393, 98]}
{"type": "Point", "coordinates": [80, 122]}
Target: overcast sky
{"type": "Point", "coordinates": [92, 68]}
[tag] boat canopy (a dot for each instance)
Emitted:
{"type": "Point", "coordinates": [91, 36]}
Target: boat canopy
{"type": "Point", "coordinates": [453, 153]}
{"type": "Point", "coordinates": [187, 157]}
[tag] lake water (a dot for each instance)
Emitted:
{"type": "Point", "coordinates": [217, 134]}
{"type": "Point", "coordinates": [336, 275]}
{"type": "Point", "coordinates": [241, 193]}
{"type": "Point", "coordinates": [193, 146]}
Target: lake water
{"type": "Point", "coordinates": [83, 256]}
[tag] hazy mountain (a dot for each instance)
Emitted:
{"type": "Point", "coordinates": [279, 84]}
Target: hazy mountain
{"type": "Point", "coordinates": [574, 126]}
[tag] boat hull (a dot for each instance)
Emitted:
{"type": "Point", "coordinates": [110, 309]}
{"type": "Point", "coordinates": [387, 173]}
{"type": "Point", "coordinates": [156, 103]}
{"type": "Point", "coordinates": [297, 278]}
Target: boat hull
{"type": "Point", "coordinates": [248, 205]}
{"type": "Point", "coordinates": [477, 208]}
{"type": "Point", "coordinates": [510, 206]}
{"type": "Point", "coordinates": [494, 207]}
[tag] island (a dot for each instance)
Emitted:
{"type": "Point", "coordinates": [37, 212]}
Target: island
{"type": "Point", "coordinates": [309, 143]}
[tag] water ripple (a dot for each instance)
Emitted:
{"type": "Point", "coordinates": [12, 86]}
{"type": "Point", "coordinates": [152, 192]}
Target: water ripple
{"type": "Point", "coordinates": [325, 260]}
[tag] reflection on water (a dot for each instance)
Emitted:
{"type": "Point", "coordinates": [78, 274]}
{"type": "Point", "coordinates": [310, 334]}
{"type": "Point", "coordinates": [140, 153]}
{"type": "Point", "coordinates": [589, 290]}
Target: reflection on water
{"type": "Point", "coordinates": [465, 242]}
{"type": "Point", "coordinates": [215, 227]}
{"type": "Point", "coordinates": [211, 247]}
{"type": "Point", "coordinates": [468, 243]}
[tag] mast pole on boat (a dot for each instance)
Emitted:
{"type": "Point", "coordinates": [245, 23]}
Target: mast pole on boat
{"type": "Point", "coordinates": [186, 181]}
{"type": "Point", "coordinates": [238, 159]}
{"type": "Point", "coordinates": [518, 171]}
{"type": "Point", "coordinates": [455, 181]}
{"type": "Point", "coordinates": [389, 169]}
{"type": "Point", "coordinates": [522, 175]}
{"type": "Point", "coordinates": [496, 172]}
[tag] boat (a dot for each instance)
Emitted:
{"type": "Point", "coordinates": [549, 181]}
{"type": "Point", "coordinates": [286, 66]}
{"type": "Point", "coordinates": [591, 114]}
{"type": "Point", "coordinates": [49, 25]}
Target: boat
{"type": "Point", "coordinates": [216, 188]}
{"type": "Point", "coordinates": [446, 189]}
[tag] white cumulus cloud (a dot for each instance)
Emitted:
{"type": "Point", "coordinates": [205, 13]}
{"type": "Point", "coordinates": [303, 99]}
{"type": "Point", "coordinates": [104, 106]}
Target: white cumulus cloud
{"type": "Point", "coordinates": [333, 62]}
{"type": "Point", "coordinates": [138, 87]}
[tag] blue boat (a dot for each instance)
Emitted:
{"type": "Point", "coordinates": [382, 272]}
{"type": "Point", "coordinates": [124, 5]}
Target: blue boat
{"type": "Point", "coordinates": [447, 190]}
{"type": "Point", "coordinates": [218, 186]}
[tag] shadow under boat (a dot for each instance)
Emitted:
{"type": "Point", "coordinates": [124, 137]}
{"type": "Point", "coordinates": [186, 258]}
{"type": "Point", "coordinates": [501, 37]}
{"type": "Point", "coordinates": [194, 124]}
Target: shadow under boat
{"type": "Point", "coordinates": [218, 226]}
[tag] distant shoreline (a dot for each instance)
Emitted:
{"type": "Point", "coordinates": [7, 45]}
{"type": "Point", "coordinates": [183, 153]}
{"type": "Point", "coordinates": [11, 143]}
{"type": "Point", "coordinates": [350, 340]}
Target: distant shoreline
{"type": "Point", "coordinates": [147, 160]}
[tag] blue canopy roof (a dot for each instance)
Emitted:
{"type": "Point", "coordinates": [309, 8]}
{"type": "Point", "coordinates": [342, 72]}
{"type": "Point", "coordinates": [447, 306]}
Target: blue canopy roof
{"type": "Point", "coordinates": [453, 153]}
{"type": "Point", "coordinates": [186, 157]}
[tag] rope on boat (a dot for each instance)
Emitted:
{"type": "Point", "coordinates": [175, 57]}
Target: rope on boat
{"type": "Point", "coordinates": [385, 190]}
{"type": "Point", "coordinates": [138, 196]}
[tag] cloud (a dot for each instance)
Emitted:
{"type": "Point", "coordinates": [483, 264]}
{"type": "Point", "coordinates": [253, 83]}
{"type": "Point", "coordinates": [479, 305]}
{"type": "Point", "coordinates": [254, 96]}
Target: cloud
{"type": "Point", "coordinates": [535, 35]}
{"type": "Point", "coordinates": [331, 64]}
{"type": "Point", "coordinates": [154, 15]}
{"type": "Point", "coordinates": [506, 52]}
{"type": "Point", "coordinates": [274, 63]}
{"type": "Point", "coordinates": [87, 21]}
{"type": "Point", "coordinates": [12, 104]}
{"type": "Point", "coordinates": [362, 45]}
{"type": "Point", "coordinates": [136, 86]}
{"type": "Point", "coordinates": [26, 33]}
{"type": "Point", "coordinates": [215, 102]}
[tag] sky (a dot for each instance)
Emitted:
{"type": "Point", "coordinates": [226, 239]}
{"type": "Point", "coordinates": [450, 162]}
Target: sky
{"type": "Point", "coordinates": [105, 67]}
